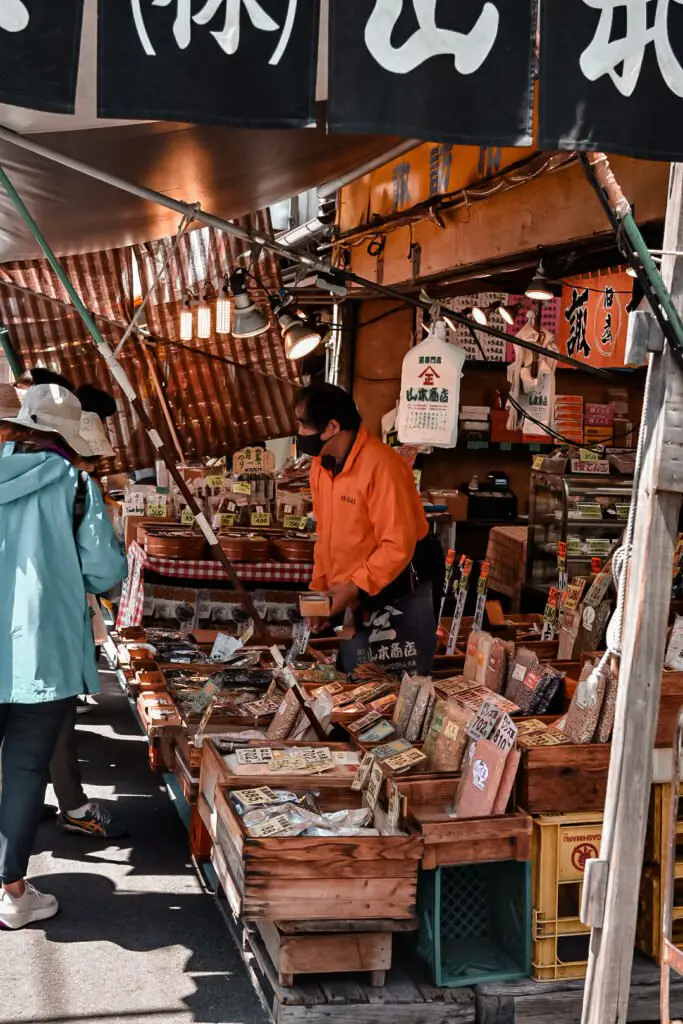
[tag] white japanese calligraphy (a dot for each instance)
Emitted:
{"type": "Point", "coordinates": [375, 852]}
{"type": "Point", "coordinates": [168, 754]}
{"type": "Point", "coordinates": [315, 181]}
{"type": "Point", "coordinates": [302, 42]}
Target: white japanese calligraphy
{"type": "Point", "coordinates": [228, 38]}
{"type": "Point", "coordinates": [605, 56]}
{"type": "Point", "coordinates": [14, 16]}
{"type": "Point", "coordinates": [469, 50]}
{"type": "Point", "coordinates": [381, 624]}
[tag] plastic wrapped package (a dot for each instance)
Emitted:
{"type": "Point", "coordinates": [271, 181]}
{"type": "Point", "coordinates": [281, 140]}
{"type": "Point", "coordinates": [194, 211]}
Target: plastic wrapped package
{"type": "Point", "coordinates": [424, 696]}
{"type": "Point", "coordinates": [407, 695]}
{"type": "Point", "coordinates": [322, 708]}
{"type": "Point", "coordinates": [581, 720]}
{"type": "Point", "coordinates": [285, 717]}
{"type": "Point", "coordinates": [470, 669]}
{"type": "Point", "coordinates": [483, 655]}
{"type": "Point", "coordinates": [452, 738]}
{"type": "Point", "coordinates": [435, 727]}
{"type": "Point", "coordinates": [608, 709]}
{"type": "Point", "coordinates": [496, 668]}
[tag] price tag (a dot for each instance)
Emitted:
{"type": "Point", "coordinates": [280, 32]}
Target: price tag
{"type": "Point", "coordinates": [538, 462]}
{"type": "Point", "coordinates": [224, 647]}
{"type": "Point", "coordinates": [598, 546]}
{"type": "Point", "coordinates": [562, 564]}
{"type": "Point", "coordinates": [573, 545]}
{"type": "Point", "coordinates": [462, 588]}
{"type": "Point", "coordinates": [596, 566]}
{"type": "Point", "coordinates": [363, 772]}
{"type": "Point", "coordinates": [589, 510]}
{"type": "Point", "coordinates": [241, 487]}
{"type": "Point", "coordinates": [224, 520]}
{"type": "Point", "coordinates": [134, 503]}
{"type": "Point", "coordinates": [255, 797]}
{"type": "Point", "coordinates": [215, 482]}
{"type": "Point", "coordinates": [505, 734]}
{"type": "Point", "coordinates": [248, 633]}
{"type": "Point", "coordinates": [586, 455]}
{"type": "Point", "coordinates": [482, 588]}
{"type": "Point", "coordinates": [599, 468]}
{"type": "Point", "coordinates": [448, 579]}
{"type": "Point", "coordinates": [291, 522]}
{"type": "Point", "coordinates": [485, 722]}
{"type": "Point", "coordinates": [361, 724]}
{"type": "Point", "coordinates": [204, 697]}
{"type": "Point", "coordinates": [187, 517]}
{"type": "Point", "coordinates": [406, 760]}
{"type": "Point", "coordinates": [270, 827]}
{"type": "Point", "coordinates": [260, 518]}
{"type": "Point", "coordinates": [301, 634]}
{"type": "Point", "coordinates": [550, 614]}
{"type": "Point", "coordinates": [394, 814]}
{"type": "Point", "coordinates": [156, 509]}
{"type": "Point", "coordinates": [374, 785]}
{"type": "Point", "coordinates": [254, 755]}
{"type": "Point", "coordinates": [199, 735]}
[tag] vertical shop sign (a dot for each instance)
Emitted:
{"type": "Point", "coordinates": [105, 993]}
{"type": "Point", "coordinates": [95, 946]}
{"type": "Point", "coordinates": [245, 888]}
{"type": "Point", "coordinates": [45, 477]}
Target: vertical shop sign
{"type": "Point", "coordinates": [448, 579]}
{"type": "Point", "coordinates": [39, 51]}
{"type": "Point", "coordinates": [241, 62]}
{"type": "Point", "coordinates": [612, 76]}
{"type": "Point", "coordinates": [454, 72]}
{"type": "Point", "coordinates": [594, 318]}
{"type": "Point", "coordinates": [561, 565]}
{"type": "Point", "coordinates": [482, 590]}
{"type": "Point", "coordinates": [460, 598]}
{"type": "Point", "coordinates": [551, 613]}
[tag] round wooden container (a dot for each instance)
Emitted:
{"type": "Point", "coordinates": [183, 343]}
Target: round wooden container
{"type": "Point", "coordinates": [244, 547]}
{"type": "Point", "coordinates": [141, 534]}
{"type": "Point", "coordinates": [175, 544]}
{"type": "Point", "coordinates": [293, 549]}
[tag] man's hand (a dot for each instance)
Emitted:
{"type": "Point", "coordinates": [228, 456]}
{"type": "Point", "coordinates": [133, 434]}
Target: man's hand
{"type": "Point", "coordinates": [342, 596]}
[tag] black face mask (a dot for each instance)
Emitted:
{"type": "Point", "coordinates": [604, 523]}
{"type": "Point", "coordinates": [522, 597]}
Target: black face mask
{"type": "Point", "coordinates": [309, 444]}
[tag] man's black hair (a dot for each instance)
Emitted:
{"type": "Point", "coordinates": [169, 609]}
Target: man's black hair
{"type": "Point", "coordinates": [39, 375]}
{"type": "Point", "coordinates": [326, 402]}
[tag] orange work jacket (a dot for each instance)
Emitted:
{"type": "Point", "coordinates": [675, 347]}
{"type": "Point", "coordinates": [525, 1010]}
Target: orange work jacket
{"type": "Point", "coordinates": [369, 517]}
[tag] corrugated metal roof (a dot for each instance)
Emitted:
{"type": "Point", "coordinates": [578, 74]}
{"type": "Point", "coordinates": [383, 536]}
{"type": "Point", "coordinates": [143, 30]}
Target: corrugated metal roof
{"type": "Point", "coordinates": [214, 405]}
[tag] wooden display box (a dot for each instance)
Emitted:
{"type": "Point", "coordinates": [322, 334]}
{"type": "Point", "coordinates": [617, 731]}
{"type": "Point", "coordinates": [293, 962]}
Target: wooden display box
{"type": "Point", "coordinates": [315, 878]}
{"type": "Point", "coordinates": [567, 779]}
{"type": "Point", "coordinates": [301, 952]}
{"type": "Point", "coordinates": [670, 701]}
{"type": "Point", "coordinates": [450, 841]}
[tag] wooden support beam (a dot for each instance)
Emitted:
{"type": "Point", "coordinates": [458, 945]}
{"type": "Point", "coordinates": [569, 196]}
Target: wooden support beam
{"type": "Point", "coordinates": [612, 884]}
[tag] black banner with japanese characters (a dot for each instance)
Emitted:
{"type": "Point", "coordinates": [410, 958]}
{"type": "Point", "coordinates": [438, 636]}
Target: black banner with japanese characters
{"type": "Point", "coordinates": [249, 63]}
{"type": "Point", "coordinates": [39, 50]}
{"type": "Point", "coordinates": [611, 76]}
{"type": "Point", "coordinates": [450, 72]}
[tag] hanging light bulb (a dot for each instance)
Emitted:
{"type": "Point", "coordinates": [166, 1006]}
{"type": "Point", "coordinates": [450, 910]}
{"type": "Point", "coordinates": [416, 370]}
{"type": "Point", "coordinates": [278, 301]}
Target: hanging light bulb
{"type": "Point", "coordinates": [224, 310]}
{"type": "Point", "coordinates": [538, 290]}
{"type": "Point", "coordinates": [249, 320]}
{"type": "Point", "coordinates": [186, 324]}
{"type": "Point", "coordinates": [632, 272]}
{"type": "Point", "coordinates": [204, 316]}
{"type": "Point", "coordinates": [505, 314]}
{"type": "Point", "coordinates": [479, 316]}
{"type": "Point", "coordinates": [300, 337]}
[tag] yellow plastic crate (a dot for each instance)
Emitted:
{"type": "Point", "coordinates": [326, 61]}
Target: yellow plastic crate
{"type": "Point", "coordinates": [561, 846]}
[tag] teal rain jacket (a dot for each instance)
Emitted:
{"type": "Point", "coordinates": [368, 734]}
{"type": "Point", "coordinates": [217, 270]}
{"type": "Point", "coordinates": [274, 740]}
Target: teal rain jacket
{"type": "Point", "coordinates": [46, 642]}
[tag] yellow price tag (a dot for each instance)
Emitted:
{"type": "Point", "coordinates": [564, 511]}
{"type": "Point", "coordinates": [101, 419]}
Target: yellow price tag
{"type": "Point", "coordinates": [538, 462]}
{"type": "Point", "coordinates": [225, 519]}
{"type": "Point", "coordinates": [241, 487]}
{"type": "Point", "coordinates": [187, 517]}
{"type": "Point", "coordinates": [216, 481]}
{"type": "Point", "coordinates": [586, 455]}
{"type": "Point", "coordinates": [158, 511]}
{"type": "Point", "coordinates": [291, 522]}
{"type": "Point", "coordinates": [260, 518]}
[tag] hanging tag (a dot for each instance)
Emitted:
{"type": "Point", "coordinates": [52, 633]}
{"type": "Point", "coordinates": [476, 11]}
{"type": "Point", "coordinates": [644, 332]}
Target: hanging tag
{"type": "Point", "coordinates": [551, 613]}
{"type": "Point", "coordinates": [561, 565]}
{"type": "Point", "coordinates": [187, 517]}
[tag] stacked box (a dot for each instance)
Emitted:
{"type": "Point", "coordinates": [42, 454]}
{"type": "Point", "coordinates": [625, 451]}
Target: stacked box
{"type": "Point", "coordinates": [568, 417]}
{"type": "Point", "coordinates": [598, 423]}
{"type": "Point", "coordinates": [474, 421]}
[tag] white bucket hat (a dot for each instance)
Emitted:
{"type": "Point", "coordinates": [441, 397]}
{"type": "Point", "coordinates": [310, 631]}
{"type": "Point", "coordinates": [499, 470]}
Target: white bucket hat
{"type": "Point", "coordinates": [10, 403]}
{"type": "Point", "coordinates": [93, 432]}
{"type": "Point", "coordinates": [52, 409]}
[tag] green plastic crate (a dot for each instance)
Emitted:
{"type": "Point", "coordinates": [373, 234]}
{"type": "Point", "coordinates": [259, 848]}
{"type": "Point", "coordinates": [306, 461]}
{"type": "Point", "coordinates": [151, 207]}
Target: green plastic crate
{"type": "Point", "coordinates": [475, 922]}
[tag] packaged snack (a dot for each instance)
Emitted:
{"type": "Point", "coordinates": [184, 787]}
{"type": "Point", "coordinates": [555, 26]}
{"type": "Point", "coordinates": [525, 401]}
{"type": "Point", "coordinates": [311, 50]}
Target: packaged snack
{"type": "Point", "coordinates": [470, 670]}
{"type": "Point", "coordinates": [414, 727]}
{"type": "Point", "coordinates": [483, 655]}
{"type": "Point", "coordinates": [496, 667]}
{"type": "Point", "coordinates": [608, 709]}
{"type": "Point", "coordinates": [410, 687]}
{"type": "Point", "coordinates": [584, 711]}
{"type": "Point", "coordinates": [452, 738]}
{"type": "Point", "coordinates": [285, 717]}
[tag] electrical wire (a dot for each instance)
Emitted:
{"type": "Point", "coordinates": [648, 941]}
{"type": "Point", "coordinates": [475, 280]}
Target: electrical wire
{"type": "Point", "coordinates": [572, 442]}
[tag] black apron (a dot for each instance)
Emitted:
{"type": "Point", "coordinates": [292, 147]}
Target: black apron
{"type": "Point", "coordinates": [399, 635]}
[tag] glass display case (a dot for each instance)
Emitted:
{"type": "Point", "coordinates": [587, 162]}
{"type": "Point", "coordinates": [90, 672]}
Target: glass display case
{"type": "Point", "coordinates": [588, 513]}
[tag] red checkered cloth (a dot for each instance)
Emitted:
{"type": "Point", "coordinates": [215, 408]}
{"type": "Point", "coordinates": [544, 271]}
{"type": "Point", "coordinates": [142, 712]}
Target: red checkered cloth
{"type": "Point", "coordinates": [133, 594]}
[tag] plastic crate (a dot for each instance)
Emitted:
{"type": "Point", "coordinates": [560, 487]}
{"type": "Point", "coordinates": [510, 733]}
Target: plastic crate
{"type": "Point", "coordinates": [561, 846]}
{"type": "Point", "coordinates": [475, 922]}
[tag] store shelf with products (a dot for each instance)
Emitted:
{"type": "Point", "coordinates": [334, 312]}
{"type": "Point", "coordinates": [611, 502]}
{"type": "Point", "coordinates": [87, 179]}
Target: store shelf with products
{"type": "Point", "coordinates": [587, 513]}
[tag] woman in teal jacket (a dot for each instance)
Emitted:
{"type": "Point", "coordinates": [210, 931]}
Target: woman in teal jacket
{"type": "Point", "coordinates": [46, 644]}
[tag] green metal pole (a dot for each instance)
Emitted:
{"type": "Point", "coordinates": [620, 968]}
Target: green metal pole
{"type": "Point", "coordinates": [15, 363]}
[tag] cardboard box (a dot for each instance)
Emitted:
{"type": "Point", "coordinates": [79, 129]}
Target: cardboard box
{"type": "Point", "coordinates": [499, 430]}
{"type": "Point", "coordinates": [455, 502]}
{"type": "Point", "coordinates": [314, 606]}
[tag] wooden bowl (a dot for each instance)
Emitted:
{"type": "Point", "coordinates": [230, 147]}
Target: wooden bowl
{"type": "Point", "coordinates": [244, 547]}
{"type": "Point", "coordinates": [175, 544]}
{"type": "Point", "coordinates": [293, 549]}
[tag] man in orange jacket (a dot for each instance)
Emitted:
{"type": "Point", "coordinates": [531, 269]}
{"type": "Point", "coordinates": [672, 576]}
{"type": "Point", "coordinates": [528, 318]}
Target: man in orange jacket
{"type": "Point", "coordinates": [375, 553]}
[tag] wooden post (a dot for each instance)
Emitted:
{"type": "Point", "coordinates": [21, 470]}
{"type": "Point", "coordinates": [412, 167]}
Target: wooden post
{"type": "Point", "coordinates": [612, 881]}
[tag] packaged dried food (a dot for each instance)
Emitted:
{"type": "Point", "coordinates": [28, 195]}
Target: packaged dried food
{"type": "Point", "coordinates": [410, 687]}
{"type": "Point", "coordinates": [470, 670]}
{"type": "Point", "coordinates": [483, 655]}
{"type": "Point", "coordinates": [285, 717]}
{"type": "Point", "coordinates": [435, 727]}
{"type": "Point", "coordinates": [608, 709]}
{"type": "Point", "coordinates": [452, 738]}
{"type": "Point", "coordinates": [584, 711]}
{"type": "Point", "coordinates": [496, 667]}
{"type": "Point", "coordinates": [414, 727]}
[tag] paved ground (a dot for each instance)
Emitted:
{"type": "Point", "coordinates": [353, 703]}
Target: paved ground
{"type": "Point", "coordinates": [137, 938]}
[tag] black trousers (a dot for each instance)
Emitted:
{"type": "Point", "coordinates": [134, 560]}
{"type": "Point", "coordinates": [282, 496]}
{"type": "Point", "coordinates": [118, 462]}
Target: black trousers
{"type": "Point", "coordinates": [65, 771]}
{"type": "Point", "coordinates": [28, 734]}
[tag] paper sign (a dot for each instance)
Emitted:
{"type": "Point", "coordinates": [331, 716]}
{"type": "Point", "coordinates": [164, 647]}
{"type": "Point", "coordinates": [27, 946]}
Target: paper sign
{"type": "Point", "coordinates": [361, 724]}
{"type": "Point", "coordinates": [485, 721]}
{"type": "Point", "coordinates": [574, 545]}
{"type": "Point", "coordinates": [241, 487]}
{"type": "Point", "coordinates": [363, 772]}
{"type": "Point", "coordinates": [254, 755]}
{"type": "Point", "coordinates": [586, 455]}
{"type": "Point", "coordinates": [291, 522]}
{"type": "Point", "coordinates": [134, 503]}
{"type": "Point", "coordinates": [374, 785]}
{"type": "Point", "coordinates": [598, 546]}
{"type": "Point", "coordinates": [589, 510]}
{"type": "Point", "coordinates": [157, 505]}
{"type": "Point", "coordinates": [622, 512]}
{"type": "Point", "coordinates": [253, 460]}
{"type": "Point", "coordinates": [224, 647]}
{"type": "Point", "coordinates": [394, 814]}
{"type": "Point", "coordinates": [215, 482]}
{"type": "Point", "coordinates": [482, 588]}
{"type": "Point", "coordinates": [199, 735]}
{"type": "Point", "coordinates": [600, 468]}
{"type": "Point", "coordinates": [448, 579]}
{"type": "Point", "coordinates": [505, 734]}
{"type": "Point", "coordinates": [270, 827]}
{"type": "Point", "coordinates": [248, 633]}
{"type": "Point", "coordinates": [538, 462]}
{"type": "Point", "coordinates": [224, 520]}
{"type": "Point", "coordinates": [406, 760]}
{"type": "Point", "coordinates": [550, 614]}
{"type": "Point", "coordinates": [260, 518]}
{"type": "Point", "coordinates": [255, 797]}
{"type": "Point", "coordinates": [187, 517]}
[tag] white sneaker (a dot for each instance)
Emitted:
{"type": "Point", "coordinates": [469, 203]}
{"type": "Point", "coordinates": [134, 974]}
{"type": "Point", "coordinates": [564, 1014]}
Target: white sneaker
{"type": "Point", "coordinates": [18, 911]}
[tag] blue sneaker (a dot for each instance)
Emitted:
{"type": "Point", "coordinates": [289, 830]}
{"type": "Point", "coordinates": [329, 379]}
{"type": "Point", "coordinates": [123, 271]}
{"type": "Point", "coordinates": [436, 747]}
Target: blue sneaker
{"type": "Point", "coordinates": [96, 822]}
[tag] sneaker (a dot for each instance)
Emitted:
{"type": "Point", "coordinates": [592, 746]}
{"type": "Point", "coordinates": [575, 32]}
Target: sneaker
{"type": "Point", "coordinates": [85, 703]}
{"type": "Point", "coordinates": [18, 911]}
{"type": "Point", "coordinates": [96, 821]}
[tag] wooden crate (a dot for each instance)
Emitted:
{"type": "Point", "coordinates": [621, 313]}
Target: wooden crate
{"type": "Point", "coordinates": [656, 836]}
{"type": "Point", "coordinates": [450, 841]}
{"type": "Point", "coordinates": [649, 926]}
{"type": "Point", "coordinates": [670, 702]}
{"type": "Point", "coordinates": [294, 953]}
{"type": "Point", "coordinates": [315, 878]}
{"type": "Point", "coordinates": [562, 843]}
{"type": "Point", "coordinates": [186, 777]}
{"type": "Point", "coordinates": [567, 779]}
